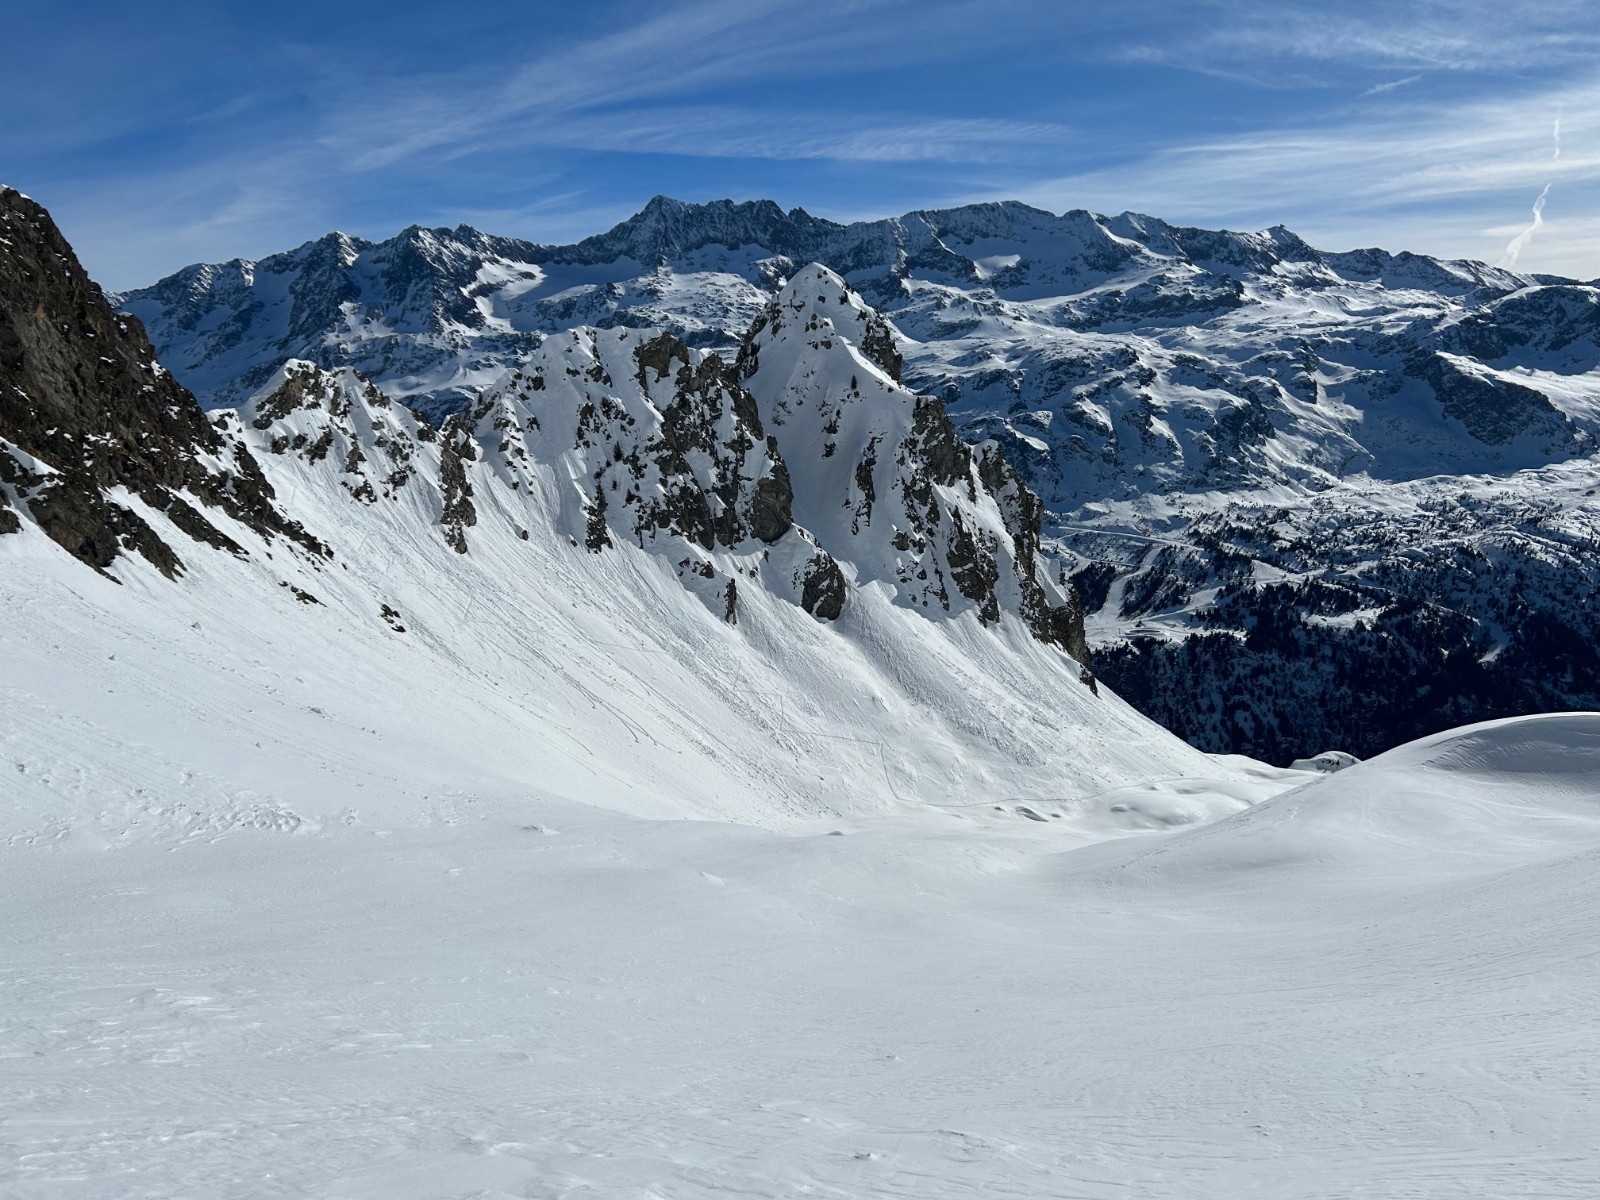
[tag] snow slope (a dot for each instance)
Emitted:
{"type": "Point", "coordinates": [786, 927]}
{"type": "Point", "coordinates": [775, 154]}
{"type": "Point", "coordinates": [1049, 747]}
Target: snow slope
{"type": "Point", "coordinates": [265, 939]}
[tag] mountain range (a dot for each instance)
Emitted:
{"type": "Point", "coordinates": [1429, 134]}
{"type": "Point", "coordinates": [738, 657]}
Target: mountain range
{"type": "Point", "coordinates": [1309, 500]}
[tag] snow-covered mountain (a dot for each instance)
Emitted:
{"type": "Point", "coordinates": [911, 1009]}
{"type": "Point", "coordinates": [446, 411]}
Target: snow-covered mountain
{"type": "Point", "coordinates": [1218, 424]}
{"type": "Point", "coordinates": [790, 564]}
{"type": "Point", "coordinates": [669, 776]}
{"type": "Point", "coordinates": [98, 443]}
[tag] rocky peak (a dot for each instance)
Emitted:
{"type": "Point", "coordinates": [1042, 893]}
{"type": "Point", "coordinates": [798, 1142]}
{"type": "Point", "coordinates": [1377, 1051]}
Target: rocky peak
{"type": "Point", "coordinates": [881, 476]}
{"type": "Point", "coordinates": [604, 437]}
{"type": "Point", "coordinates": [818, 301]}
{"type": "Point", "coordinates": [632, 435]}
{"type": "Point", "coordinates": [98, 444]}
{"type": "Point", "coordinates": [666, 229]}
{"type": "Point", "coordinates": [341, 418]}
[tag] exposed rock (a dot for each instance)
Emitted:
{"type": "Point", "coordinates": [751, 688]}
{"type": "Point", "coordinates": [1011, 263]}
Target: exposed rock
{"type": "Point", "coordinates": [772, 510]}
{"type": "Point", "coordinates": [1493, 410]}
{"type": "Point", "coordinates": [973, 567]}
{"type": "Point", "coordinates": [597, 535]}
{"type": "Point", "coordinates": [823, 588]}
{"type": "Point", "coordinates": [80, 391]}
{"type": "Point", "coordinates": [877, 343]}
{"type": "Point", "coordinates": [458, 514]}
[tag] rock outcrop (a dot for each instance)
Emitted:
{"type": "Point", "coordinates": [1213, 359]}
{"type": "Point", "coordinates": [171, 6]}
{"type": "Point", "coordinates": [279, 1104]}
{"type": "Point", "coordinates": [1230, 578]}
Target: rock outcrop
{"type": "Point", "coordinates": [882, 478]}
{"type": "Point", "coordinates": [95, 437]}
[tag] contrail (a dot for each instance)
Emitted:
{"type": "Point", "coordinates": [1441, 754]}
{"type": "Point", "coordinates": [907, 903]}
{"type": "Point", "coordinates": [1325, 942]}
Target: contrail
{"type": "Point", "coordinates": [1516, 245]}
{"type": "Point", "coordinates": [1514, 248]}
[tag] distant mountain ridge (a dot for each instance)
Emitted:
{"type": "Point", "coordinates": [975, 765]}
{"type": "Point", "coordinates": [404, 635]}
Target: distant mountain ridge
{"type": "Point", "coordinates": [1192, 407]}
{"type": "Point", "coordinates": [450, 298]}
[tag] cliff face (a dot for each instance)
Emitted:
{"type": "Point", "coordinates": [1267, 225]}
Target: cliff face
{"type": "Point", "coordinates": [881, 476]}
{"type": "Point", "coordinates": [95, 436]}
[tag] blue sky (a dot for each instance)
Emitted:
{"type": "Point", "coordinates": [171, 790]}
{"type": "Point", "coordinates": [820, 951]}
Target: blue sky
{"type": "Point", "coordinates": [168, 133]}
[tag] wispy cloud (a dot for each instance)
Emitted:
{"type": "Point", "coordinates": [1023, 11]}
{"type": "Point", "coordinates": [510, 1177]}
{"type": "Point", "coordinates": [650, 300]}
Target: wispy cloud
{"type": "Point", "coordinates": [1445, 35]}
{"type": "Point", "coordinates": [759, 133]}
{"type": "Point", "coordinates": [553, 129]}
{"type": "Point", "coordinates": [1367, 170]}
{"type": "Point", "coordinates": [1379, 89]}
{"type": "Point", "coordinates": [573, 89]}
{"type": "Point", "coordinates": [1289, 45]}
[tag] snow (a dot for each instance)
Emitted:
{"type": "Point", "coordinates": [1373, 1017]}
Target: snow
{"type": "Point", "coordinates": [574, 890]}
{"type": "Point", "coordinates": [331, 945]}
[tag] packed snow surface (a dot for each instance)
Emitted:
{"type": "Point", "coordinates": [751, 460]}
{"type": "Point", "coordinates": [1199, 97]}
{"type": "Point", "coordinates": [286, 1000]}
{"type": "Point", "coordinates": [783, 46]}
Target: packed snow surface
{"type": "Point", "coordinates": [287, 914]}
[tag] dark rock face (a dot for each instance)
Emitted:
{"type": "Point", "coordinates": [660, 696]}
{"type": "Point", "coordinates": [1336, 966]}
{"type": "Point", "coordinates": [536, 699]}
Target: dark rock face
{"type": "Point", "coordinates": [459, 513]}
{"type": "Point", "coordinates": [823, 589]}
{"type": "Point", "coordinates": [877, 343]}
{"type": "Point", "coordinates": [83, 398]}
{"type": "Point", "coordinates": [771, 513]}
{"type": "Point", "coordinates": [1023, 513]}
{"type": "Point", "coordinates": [1493, 410]}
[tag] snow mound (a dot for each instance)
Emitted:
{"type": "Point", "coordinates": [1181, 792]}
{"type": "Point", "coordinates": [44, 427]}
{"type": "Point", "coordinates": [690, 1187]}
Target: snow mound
{"type": "Point", "coordinates": [1467, 803]}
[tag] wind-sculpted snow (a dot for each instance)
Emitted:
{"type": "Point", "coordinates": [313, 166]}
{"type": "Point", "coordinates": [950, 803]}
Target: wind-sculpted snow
{"type": "Point", "coordinates": [1485, 801]}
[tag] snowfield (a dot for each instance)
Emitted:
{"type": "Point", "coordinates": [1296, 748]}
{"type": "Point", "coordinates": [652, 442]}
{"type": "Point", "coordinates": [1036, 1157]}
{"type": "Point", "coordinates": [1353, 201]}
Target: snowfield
{"type": "Point", "coordinates": [295, 906]}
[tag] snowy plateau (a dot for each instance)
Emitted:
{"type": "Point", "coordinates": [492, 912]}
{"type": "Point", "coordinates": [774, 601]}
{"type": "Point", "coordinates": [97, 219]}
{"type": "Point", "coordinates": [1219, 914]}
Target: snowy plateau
{"type": "Point", "coordinates": [669, 761]}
